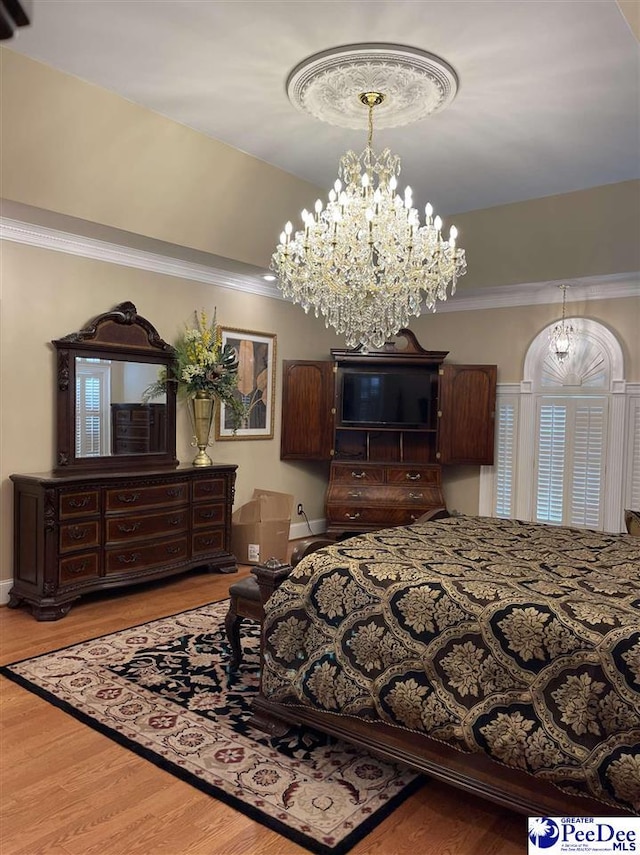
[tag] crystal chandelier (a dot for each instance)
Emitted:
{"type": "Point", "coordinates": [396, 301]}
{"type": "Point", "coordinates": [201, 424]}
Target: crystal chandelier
{"type": "Point", "coordinates": [562, 335]}
{"type": "Point", "coordinates": [363, 260]}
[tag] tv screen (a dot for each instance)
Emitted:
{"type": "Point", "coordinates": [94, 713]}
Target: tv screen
{"type": "Point", "coordinates": [392, 399]}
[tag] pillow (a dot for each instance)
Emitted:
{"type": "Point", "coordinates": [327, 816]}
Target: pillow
{"type": "Point", "coordinates": [632, 521]}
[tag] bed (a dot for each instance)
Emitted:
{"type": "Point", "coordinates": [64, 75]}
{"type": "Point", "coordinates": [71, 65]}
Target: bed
{"type": "Point", "coordinates": [500, 656]}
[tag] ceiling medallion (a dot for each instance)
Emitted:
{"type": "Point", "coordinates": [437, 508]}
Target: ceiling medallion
{"type": "Point", "coordinates": [328, 85]}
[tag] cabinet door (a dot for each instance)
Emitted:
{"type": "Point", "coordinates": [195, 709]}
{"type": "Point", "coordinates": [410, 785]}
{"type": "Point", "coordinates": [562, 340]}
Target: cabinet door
{"type": "Point", "coordinates": [467, 403]}
{"type": "Point", "coordinates": [308, 402]}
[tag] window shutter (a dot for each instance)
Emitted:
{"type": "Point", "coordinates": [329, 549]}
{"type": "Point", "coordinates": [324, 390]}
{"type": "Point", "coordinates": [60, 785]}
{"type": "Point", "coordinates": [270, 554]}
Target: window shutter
{"type": "Point", "coordinates": [551, 458]}
{"type": "Point", "coordinates": [587, 463]}
{"type": "Point", "coordinates": [633, 501]}
{"type": "Point", "coordinates": [505, 458]}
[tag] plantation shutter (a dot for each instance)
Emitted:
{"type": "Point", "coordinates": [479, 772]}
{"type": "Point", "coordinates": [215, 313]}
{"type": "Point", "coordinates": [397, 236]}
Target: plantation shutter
{"type": "Point", "coordinates": [587, 464]}
{"type": "Point", "coordinates": [571, 445]}
{"type": "Point", "coordinates": [506, 433]}
{"type": "Point", "coordinates": [633, 500]}
{"type": "Point", "coordinates": [93, 402]}
{"type": "Point", "coordinates": [552, 434]}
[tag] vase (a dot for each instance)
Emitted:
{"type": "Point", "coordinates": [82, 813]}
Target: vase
{"type": "Point", "coordinates": [201, 410]}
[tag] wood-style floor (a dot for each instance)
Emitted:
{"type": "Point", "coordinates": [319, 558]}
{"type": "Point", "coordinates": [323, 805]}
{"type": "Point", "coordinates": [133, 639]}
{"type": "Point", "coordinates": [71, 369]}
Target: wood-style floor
{"type": "Point", "coordinates": [67, 790]}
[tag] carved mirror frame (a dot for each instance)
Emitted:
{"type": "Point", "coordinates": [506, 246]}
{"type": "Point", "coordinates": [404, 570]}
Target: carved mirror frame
{"type": "Point", "coordinates": [120, 334]}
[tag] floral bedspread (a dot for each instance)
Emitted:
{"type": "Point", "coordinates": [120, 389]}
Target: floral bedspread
{"type": "Point", "coordinates": [516, 639]}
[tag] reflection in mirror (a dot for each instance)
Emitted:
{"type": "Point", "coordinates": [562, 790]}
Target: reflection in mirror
{"type": "Point", "coordinates": [112, 416]}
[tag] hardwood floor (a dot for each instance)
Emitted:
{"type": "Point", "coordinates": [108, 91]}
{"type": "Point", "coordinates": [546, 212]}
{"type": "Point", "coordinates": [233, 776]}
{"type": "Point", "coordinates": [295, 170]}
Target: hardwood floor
{"type": "Point", "coordinates": [68, 790]}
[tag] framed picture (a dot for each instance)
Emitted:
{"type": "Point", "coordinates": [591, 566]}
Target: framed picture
{"type": "Point", "coordinates": [256, 385]}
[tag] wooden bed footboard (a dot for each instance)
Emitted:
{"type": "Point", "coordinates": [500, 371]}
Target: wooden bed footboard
{"type": "Point", "coordinates": [473, 773]}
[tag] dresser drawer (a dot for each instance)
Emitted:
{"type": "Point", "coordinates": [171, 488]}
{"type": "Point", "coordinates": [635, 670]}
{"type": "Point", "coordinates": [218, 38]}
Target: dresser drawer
{"type": "Point", "coordinates": [80, 535]}
{"type": "Point", "coordinates": [133, 527]}
{"type": "Point", "coordinates": [78, 503]}
{"type": "Point", "coordinates": [385, 494]}
{"type": "Point", "coordinates": [206, 489]}
{"type": "Point", "coordinates": [79, 567]}
{"type": "Point", "coordinates": [143, 556]}
{"type": "Point", "coordinates": [362, 517]}
{"type": "Point", "coordinates": [413, 475]}
{"type": "Point", "coordinates": [128, 498]}
{"type": "Point", "coordinates": [357, 474]}
{"type": "Point", "coordinates": [207, 515]}
{"type": "Point", "coordinates": [208, 541]}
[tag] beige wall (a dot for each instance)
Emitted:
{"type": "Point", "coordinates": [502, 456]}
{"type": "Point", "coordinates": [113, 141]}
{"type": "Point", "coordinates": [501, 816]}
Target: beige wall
{"type": "Point", "coordinates": [74, 148]}
{"type": "Point", "coordinates": [588, 233]}
{"type": "Point", "coordinates": [78, 151]}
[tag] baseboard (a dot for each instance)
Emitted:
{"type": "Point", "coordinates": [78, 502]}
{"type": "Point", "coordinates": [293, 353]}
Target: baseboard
{"type": "Point", "coordinates": [5, 587]}
{"type": "Point", "coordinates": [301, 529]}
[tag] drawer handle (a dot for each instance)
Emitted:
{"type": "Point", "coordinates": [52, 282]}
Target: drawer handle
{"type": "Point", "coordinates": [207, 541]}
{"type": "Point", "coordinates": [358, 474]}
{"type": "Point", "coordinates": [129, 559]}
{"type": "Point", "coordinates": [175, 493]}
{"type": "Point", "coordinates": [79, 503]}
{"type": "Point", "coordinates": [354, 494]}
{"type": "Point", "coordinates": [127, 529]}
{"type": "Point", "coordinates": [173, 550]}
{"type": "Point", "coordinates": [77, 533]}
{"type": "Point", "coordinates": [206, 515]}
{"type": "Point", "coordinates": [207, 488]}
{"type": "Point", "coordinates": [174, 521]}
{"type": "Point", "coordinates": [413, 476]}
{"type": "Point", "coordinates": [78, 568]}
{"type": "Point", "coordinates": [128, 498]}
{"type": "Point", "coordinates": [416, 495]}
{"type": "Point", "coordinates": [352, 516]}
{"type": "Point", "coordinates": [413, 517]}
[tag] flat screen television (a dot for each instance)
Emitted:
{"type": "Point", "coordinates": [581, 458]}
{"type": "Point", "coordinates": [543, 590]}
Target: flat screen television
{"type": "Point", "coordinates": [400, 399]}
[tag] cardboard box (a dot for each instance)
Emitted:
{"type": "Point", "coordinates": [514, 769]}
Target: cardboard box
{"type": "Point", "coordinates": [260, 528]}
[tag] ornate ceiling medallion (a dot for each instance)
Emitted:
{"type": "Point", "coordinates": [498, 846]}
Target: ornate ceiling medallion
{"type": "Point", "coordinates": [328, 85]}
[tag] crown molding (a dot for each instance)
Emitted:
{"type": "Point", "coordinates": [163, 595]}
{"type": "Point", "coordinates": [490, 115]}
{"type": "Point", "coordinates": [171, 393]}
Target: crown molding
{"type": "Point", "coordinates": [113, 253]}
{"type": "Point", "coordinates": [506, 296]}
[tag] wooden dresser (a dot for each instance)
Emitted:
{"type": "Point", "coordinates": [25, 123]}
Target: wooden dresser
{"type": "Point", "coordinates": [83, 532]}
{"type": "Point", "coordinates": [138, 428]}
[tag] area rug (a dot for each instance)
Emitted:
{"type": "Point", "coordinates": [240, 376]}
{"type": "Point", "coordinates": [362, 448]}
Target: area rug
{"type": "Point", "coordinates": [164, 690]}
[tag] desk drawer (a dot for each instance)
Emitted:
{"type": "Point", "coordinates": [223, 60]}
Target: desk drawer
{"type": "Point", "coordinates": [413, 475]}
{"type": "Point", "coordinates": [355, 473]}
{"type": "Point", "coordinates": [362, 517]}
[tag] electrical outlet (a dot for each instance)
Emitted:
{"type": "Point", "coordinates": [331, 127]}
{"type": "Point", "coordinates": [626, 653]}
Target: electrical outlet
{"type": "Point", "coordinates": [300, 509]}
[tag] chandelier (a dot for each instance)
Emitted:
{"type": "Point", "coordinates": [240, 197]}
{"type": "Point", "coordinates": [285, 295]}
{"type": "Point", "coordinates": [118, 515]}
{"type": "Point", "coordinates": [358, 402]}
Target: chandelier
{"type": "Point", "coordinates": [562, 335]}
{"type": "Point", "coordinates": [363, 260]}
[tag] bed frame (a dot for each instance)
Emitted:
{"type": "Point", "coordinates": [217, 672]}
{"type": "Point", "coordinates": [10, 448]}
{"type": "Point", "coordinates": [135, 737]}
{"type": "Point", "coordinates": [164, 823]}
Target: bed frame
{"type": "Point", "coordinates": [474, 773]}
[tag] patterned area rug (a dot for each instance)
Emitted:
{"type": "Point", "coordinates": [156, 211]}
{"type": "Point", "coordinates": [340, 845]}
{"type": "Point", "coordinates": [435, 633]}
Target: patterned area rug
{"type": "Point", "coordinates": [163, 689]}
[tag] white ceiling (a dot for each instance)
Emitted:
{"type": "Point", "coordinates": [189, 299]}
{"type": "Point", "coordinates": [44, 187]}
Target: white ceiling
{"type": "Point", "coordinates": [549, 97]}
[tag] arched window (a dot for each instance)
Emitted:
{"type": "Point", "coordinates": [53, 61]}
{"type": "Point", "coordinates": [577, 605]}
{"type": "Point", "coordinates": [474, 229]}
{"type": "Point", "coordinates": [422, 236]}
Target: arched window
{"type": "Point", "coordinates": [567, 436]}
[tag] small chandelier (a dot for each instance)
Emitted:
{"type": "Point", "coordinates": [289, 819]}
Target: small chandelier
{"type": "Point", "coordinates": [363, 260]}
{"type": "Point", "coordinates": [562, 335]}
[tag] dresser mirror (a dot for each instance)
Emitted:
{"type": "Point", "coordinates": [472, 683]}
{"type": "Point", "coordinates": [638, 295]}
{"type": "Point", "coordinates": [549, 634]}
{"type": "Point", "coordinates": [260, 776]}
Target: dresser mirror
{"type": "Point", "coordinates": [104, 419]}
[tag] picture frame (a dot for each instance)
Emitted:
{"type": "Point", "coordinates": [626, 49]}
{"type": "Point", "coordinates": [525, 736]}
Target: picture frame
{"type": "Point", "coordinates": [256, 385]}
